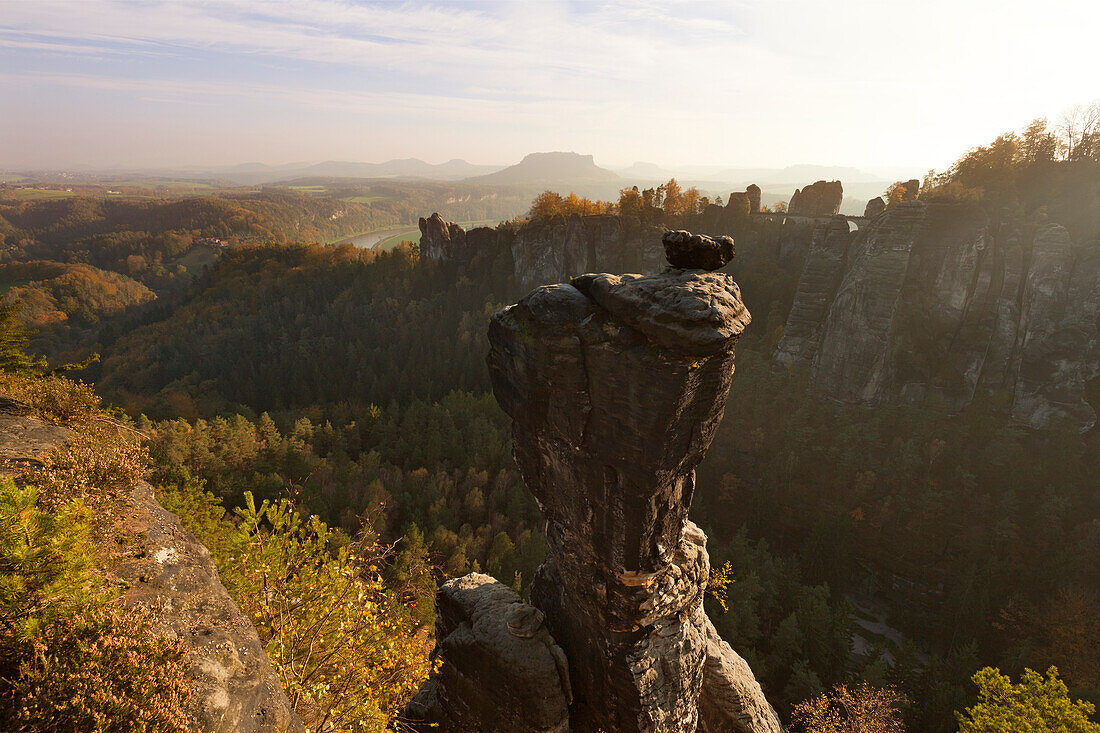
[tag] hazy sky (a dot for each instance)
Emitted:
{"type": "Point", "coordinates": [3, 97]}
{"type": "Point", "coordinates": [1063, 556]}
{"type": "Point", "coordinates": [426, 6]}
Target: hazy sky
{"type": "Point", "coordinates": [769, 83]}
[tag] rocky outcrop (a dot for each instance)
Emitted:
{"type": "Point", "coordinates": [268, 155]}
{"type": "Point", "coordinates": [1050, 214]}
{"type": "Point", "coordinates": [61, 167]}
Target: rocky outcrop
{"type": "Point", "coordinates": [616, 385]}
{"type": "Point", "coordinates": [825, 266]}
{"type": "Point", "coordinates": [558, 248]}
{"type": "Point", "coordinates": [163, 568]}
{"type": "Point", "coordinates": [687, 250]}
{"type": "Point", "coordinates": [935, 299]}
{"type": "Point", "coordinates": [822, 198]}
{"type": "Point", "coordinates": [169, 572]}
{"type": "Point", "coordinates": [24, 439]}
{"type": "Point", "coordinates": [874, 207]}
{"type": "Point", "coordinates": [747, 200]}
{"type": "Point", "coordinates": [449, 242]}
{"type": "Point", "coordinates": [753, 193]}
{"type": "Point", "coordinates": [909, 190]}
{"type": "Point", "coordinates": [1058, 341]}
{"type": "Point", "coordinates": [731, 700]}
{"type": "Point", "coordinates": [502, 671]}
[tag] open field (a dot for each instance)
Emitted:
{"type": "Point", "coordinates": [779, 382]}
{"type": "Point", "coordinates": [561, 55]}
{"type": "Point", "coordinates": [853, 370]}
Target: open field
{"type": "Point", "coordinates": [34, 194]}
{"type": "Point", "coordinates": [364, 199]}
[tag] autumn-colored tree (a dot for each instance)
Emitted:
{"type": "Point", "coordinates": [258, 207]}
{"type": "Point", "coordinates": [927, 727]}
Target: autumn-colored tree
{"type": "Point", "coordinates": [545, 205]}
{"type": "Point", "coordinates": [1036, 704]}
{"type": "Point", "coordinates": [345, 647]}
{"type": "Point", "coordinates": [1037, 143]}
{"type": "Point", "coordinates": [631, 202]}
{"type": "Point", "coordinates": [858, 709]}
{"type": "Point", "coordinates": [549, 203]}
{"type": "Point", "coordinates": [671, 196]}
{"type": "Point", "coordinates": [1063, 629]}
{"type": "Point", "coordinates": [690, 202]}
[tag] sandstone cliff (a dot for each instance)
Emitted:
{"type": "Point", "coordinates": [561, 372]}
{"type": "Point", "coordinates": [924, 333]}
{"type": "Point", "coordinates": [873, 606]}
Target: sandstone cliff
{"type": "Point", "coordinates": [163, 568]}
{"type": "Point", "coordinates": [822, 198]}
{"type": "Point", "coordinates": [449, 242]}
{"type": "Point", "coordinates": [616, 385]}
{"type": "Point", "coordinates": [936, 299]}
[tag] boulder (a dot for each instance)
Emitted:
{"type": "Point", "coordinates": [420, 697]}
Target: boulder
{"type": "Point", "coordinates": [500, 668]}
{"type": "Point", "coordinates": [689, 251]}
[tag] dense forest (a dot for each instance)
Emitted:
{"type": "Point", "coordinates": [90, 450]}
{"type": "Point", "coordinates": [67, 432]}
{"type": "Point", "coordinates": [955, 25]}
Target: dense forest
{"type": "Point", "coordinates": [353, 384]}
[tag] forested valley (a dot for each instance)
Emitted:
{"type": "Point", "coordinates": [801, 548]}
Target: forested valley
{"type": "Point", "coordinates": [352, 383]}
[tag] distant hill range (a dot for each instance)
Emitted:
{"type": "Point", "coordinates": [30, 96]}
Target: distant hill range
{"type": "Point", "coordinates": [549, 168]}
{"type": "Point", "coordinates": [452, 170]}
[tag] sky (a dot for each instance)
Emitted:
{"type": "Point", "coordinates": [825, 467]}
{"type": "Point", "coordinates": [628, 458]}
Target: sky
{"type": "Point", "coordinates": [770, 83]}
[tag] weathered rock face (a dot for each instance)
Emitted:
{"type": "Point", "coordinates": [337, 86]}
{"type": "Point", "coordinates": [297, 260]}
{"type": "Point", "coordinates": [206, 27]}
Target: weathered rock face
{"type": "Point", "coordinates": [874, 207]}
{"type": "Point", "coordinates": [747, 200]}
{"type": "Point", "coordinates": [169, 572]}
{"type": "Point", "coordinates": [933, 298]}
{"type": "Point", "coordinates": [753, 193]}
{"type": "Point", "coordinates": [502, 672]}
{"type": "Point", "coordinates": [1058, 342]}
{"type": "Point", "coordinates": [822, 198]}
{"type": "Point", "coordinates": [173, 575]}
{"type": "Point", "coordinates": [556, 249]}
{"type": "Point", "coordinates": [616, 385]}
{"type": "Point", "coordinates": [447, 241]}
{"type": "Point", "coordinates": [697, 251]}
{"type": "Point", "coordinates": [732, 701]}
{"type": "Point", "coordinates": [825, 266]}
{"type": "Point", "coordinates": [910, 190]}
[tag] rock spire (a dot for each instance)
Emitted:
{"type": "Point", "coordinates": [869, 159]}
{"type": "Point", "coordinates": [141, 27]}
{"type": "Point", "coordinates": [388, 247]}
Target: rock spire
{"type": "Point", "coordinates": [616, 385]}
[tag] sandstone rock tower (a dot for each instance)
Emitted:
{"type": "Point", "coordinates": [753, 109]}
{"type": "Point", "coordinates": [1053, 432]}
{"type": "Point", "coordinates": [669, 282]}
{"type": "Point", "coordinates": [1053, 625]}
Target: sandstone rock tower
{"type": "Point", "coordinates": [616, 385]}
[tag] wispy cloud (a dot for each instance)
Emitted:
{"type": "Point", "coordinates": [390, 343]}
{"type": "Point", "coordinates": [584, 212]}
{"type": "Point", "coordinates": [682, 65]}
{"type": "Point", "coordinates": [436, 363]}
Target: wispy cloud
{"type": "Point", "coordinates": [749, 81]}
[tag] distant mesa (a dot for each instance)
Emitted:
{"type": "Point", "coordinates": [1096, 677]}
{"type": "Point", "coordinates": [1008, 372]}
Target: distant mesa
{"type": "Point", "coordinates": [822, 198]}
{"type": "Point", "coordinates": [642, 171]}
{"type": "Point", "coordinates": [550, 168]}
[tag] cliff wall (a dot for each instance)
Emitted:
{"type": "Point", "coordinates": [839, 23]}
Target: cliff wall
{"type": "Point", "coordinates": [935, 299]}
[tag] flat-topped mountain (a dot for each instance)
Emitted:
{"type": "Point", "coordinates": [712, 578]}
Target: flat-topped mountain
{"type": "Point", "coordinates": [550, 168]}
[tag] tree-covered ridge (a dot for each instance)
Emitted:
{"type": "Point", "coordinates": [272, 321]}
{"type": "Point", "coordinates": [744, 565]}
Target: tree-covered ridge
{"type": "Point", "coordinates": [52, 293]}
{"type": "Point", "coordinates": [276, 328]}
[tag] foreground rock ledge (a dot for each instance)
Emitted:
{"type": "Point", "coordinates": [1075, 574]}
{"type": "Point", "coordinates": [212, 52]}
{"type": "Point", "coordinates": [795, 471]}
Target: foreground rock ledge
{"type": "Point", "coordinates": [616, 385]}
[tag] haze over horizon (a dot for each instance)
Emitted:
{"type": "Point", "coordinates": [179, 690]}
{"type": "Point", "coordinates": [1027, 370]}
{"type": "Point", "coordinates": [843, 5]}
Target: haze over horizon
{"type": "Point", "coordinates": [109, 83]}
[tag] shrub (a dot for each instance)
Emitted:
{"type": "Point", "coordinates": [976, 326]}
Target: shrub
{"type": "Point", "coordinates": [102, 669]}
{"type": "Point", "coordinates": [1036, 704]}
{"type": "Point", "coordinates": [859, 709]}
{"type": "Point", "coordinates": [69, 661]}
{"type": "Point", "coordinates": [347, 652]}
{"type": "Point", "coordinates": [54, 399]}
{"type": "Point", "coordinates": [99, 459]}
